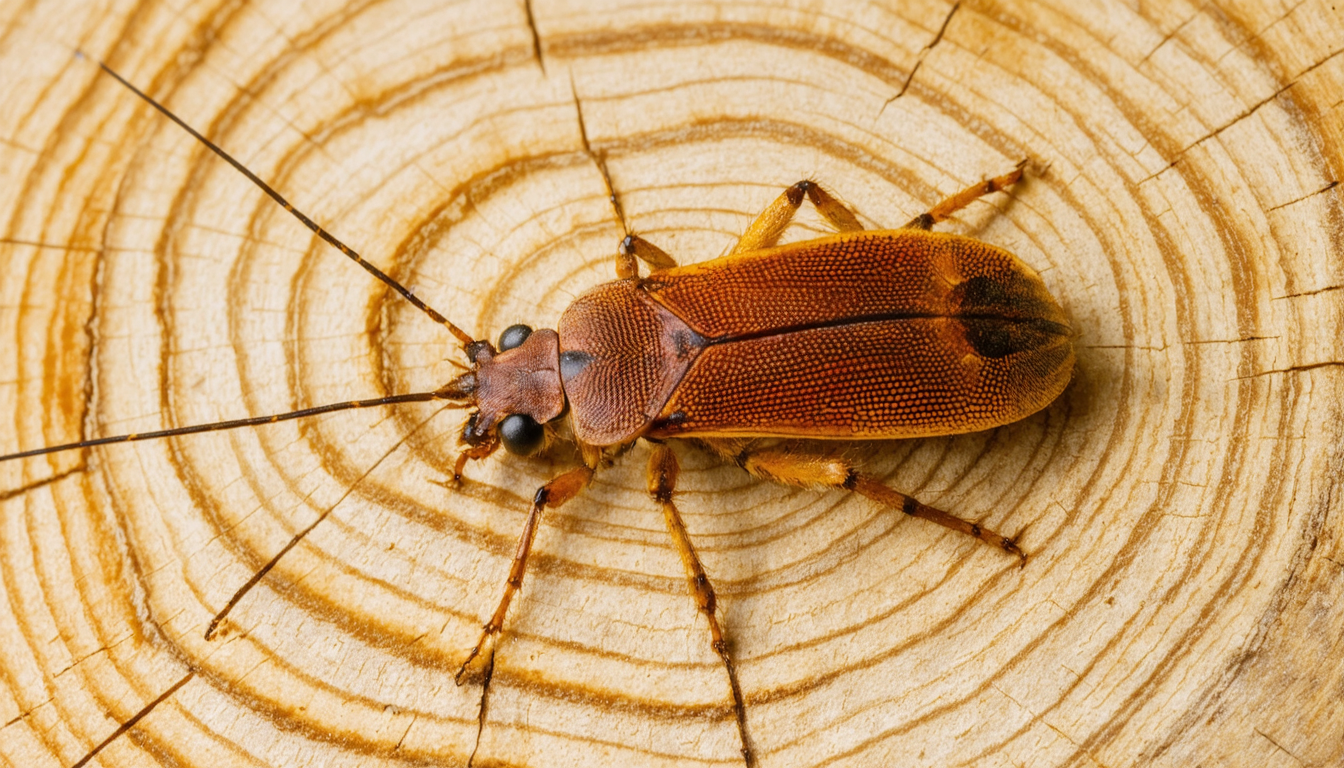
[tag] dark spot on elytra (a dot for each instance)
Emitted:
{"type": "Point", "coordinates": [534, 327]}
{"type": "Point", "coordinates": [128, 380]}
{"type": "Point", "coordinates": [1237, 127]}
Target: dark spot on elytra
{"type": "Point", "coordinates": [674, 419]}
{"type": "Point", "coordinates": [1005, 315]}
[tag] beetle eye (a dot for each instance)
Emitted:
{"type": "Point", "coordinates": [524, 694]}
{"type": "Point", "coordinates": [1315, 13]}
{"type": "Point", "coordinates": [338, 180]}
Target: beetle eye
{"type": "Point", "coordinates": [513, 336]}
{"type": "Point", "coordinates": [521, 434]}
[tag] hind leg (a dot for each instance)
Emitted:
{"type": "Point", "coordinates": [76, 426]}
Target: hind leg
{"type": "Point", "coordinates": [791, 467]}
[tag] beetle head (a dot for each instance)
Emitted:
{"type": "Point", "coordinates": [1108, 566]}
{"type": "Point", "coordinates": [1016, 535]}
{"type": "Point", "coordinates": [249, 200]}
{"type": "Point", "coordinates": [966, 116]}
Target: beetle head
{"type": "Point", "coordinates": [516, 390]}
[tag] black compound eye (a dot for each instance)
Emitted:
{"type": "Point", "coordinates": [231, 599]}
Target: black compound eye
{"type": "Point", "coordinates": [513, 336]}
{"type": "Point", "coordinates": [521, 434]}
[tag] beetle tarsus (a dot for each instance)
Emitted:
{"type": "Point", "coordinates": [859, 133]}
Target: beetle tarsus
{"type": "Point", "coordinates": [485, 643]}
{"type": "Point", "coordinates": [1010, 546]}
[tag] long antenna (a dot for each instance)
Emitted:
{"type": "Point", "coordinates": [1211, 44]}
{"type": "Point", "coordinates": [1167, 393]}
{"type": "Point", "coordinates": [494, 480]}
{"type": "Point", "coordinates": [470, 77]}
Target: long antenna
{"type": "Point", "coordinates": [445, 393]}
{"type": "Point", "coordinates": [307, 222]}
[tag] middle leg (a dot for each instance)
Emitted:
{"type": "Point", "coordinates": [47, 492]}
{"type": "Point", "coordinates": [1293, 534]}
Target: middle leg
{"type": "Point", "coordinates": [771, 223]}
{"type": "Point", "coordinates": [634, 246]}
{"type": "Point", "coordinates": [663, 470]}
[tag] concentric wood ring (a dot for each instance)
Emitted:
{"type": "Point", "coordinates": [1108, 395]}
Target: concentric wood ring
{"type": "Point", "coordinates": [1179, 502]}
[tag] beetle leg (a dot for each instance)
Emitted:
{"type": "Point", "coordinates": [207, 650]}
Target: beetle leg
{"type": "Point", "coordinates": [553, 494]}
{"type": "Point", "coordinates": [633, 246]}
{"type": "Point", "coordinates": [965, 197]}
{"type": "Point", "coordinates": [791, 467]}
{"type": "Point", "coordinates": [663, 470]}
{"type": "Point", "coordinates": [471, 453]}
{"type": "Point", "coordinates": [766, 229]}
{"type": "Point", "coordinates": [836, 213]}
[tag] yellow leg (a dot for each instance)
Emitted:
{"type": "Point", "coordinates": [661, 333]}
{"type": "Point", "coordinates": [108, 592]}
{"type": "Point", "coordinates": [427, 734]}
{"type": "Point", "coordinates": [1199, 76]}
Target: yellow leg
{"type": "Point", "coordinates": [766, 229]}
{"type": "Point", "coordinates": [965, 197]}
{"type": "Point", "coordinates": [791, 467]}
{"type": "Point", "coordinates": [634, 246]}
{"type": "Point", "coordinates": [663, 471]}
{"type": "Point", "coordinates": [552, 494]}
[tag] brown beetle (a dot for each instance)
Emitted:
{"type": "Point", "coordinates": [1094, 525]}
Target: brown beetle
{"type": "Point", "coordinates": [863, 335]}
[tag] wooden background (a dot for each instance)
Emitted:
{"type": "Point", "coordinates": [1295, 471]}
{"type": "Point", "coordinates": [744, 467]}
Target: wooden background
{"type": "Point", "coordinates": [1183, 603]}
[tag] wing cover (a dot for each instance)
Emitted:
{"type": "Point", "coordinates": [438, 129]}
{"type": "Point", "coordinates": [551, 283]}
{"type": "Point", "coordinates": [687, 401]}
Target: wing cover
{"type": "Point", "coordinates": [864, 335]}
{"type": "Point", "coordinates": [869, 380]}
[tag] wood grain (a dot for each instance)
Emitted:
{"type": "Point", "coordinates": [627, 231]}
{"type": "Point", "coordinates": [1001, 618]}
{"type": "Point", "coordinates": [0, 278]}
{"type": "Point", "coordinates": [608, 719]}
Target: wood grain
{"type": "Point", "coordinates": [1183, 602]}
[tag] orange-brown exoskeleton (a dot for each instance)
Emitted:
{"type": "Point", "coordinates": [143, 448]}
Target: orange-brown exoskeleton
{"type": "Point", "coordinates": [862, 335]}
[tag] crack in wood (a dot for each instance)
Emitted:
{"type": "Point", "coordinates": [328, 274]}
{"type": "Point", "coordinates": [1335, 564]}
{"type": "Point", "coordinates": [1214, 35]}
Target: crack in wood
{"type": "Point", "coordinates": [1307, 196]}
{"type": "Point", "coordinates": [923, 52]}
{"type": "Point", "coordinates": [136, 718]}
{"type": "Point", "coordinates": [536, 36]}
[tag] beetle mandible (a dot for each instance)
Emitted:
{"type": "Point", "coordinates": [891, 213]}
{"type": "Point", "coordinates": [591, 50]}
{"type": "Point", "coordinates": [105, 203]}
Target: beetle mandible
{"type": "Point", "coordinates": [861, 335]}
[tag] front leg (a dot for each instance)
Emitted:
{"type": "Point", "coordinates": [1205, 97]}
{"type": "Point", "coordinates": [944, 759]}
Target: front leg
{"type": "Point", "coordinates": [552, 494]}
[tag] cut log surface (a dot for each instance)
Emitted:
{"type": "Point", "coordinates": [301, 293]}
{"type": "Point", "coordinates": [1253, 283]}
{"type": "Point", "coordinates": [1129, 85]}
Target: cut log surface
{"type": "Point", "coordinates": [1183, 600]}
